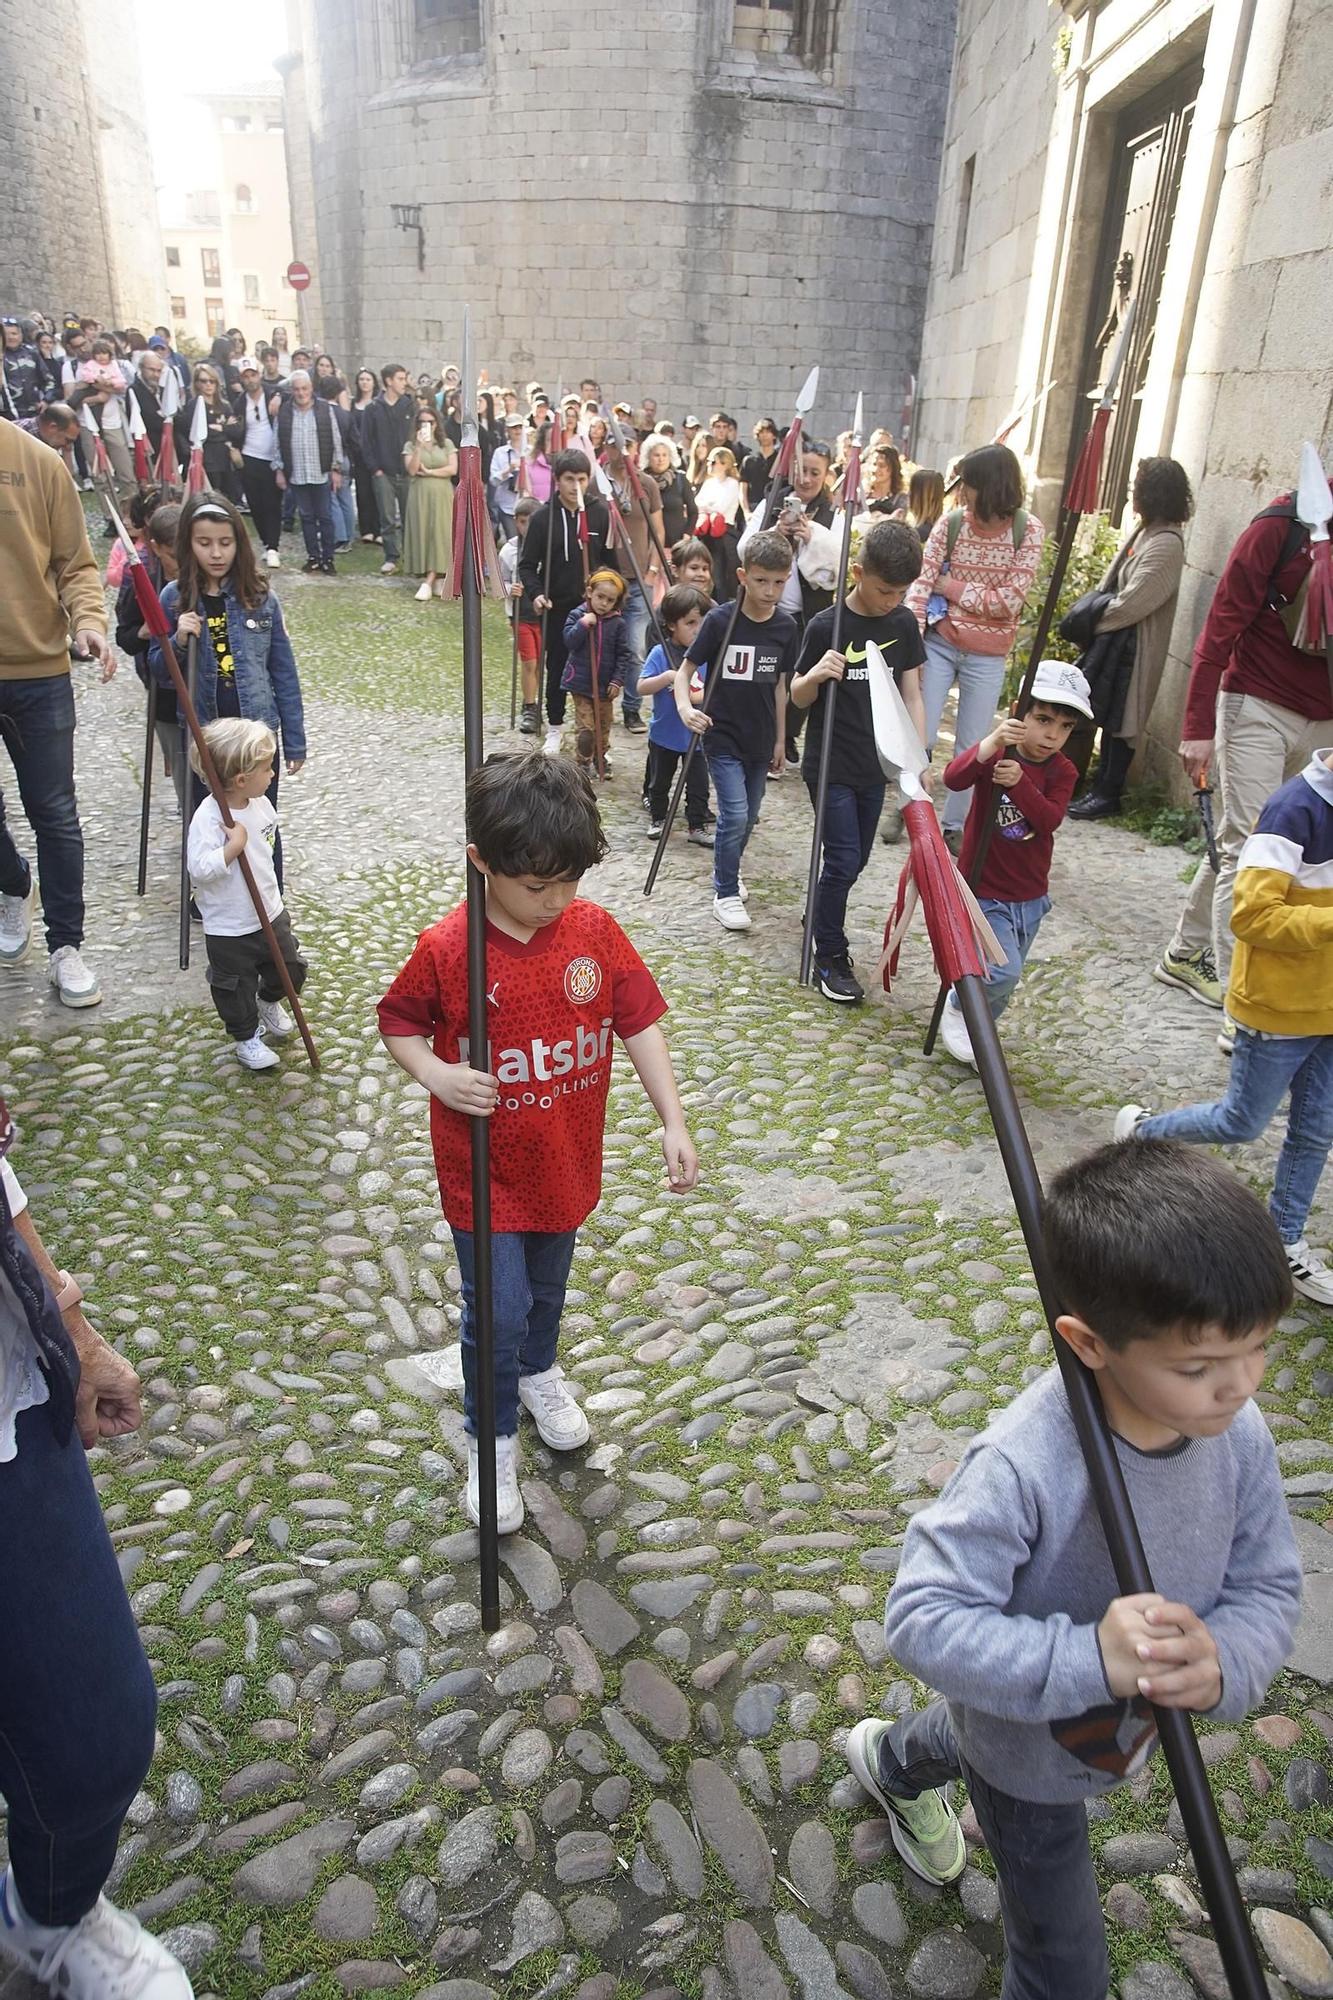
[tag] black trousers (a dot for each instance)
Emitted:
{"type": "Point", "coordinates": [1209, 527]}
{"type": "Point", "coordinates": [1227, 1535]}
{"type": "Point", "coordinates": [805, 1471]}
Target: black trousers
{"type": "Point", "coordinates": [664, 764]}
{"type": "Point", "coordinates": [556, 656]}
{"type": "Point", "coordinates": [241, 972]}
{"type": "Point", "coordinates": [263, 499]}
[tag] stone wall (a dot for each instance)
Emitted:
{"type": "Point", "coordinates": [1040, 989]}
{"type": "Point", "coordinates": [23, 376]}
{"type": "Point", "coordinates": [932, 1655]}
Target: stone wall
{"type": "Point", "coordinates": [615, 191]}
{"type": "Point", "coordinates": [139, 294]}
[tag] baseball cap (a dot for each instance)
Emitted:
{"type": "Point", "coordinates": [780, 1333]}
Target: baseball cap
{"type": "Point", "coordinates": [1063, 685]}
{"type": "Point", "coordinates": [156, 342]}
{"type": "Point", "coordinates": [247, 361]}
{"type": "Point", "coordinates": [515, 424]}
{"type": "Point", "coordinates": [692, 420]}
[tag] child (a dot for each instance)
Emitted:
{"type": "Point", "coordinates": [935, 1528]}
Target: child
{"type": "Point", "coordinates": [719, 502]}
{"type": "Point", "coordinates": [890, 560]}
{"type": "Point", "coordinates": [1281, 997]}
{"type": "Point", "coordinates": [561, 976]}
{"type": "Point", "coordinates": [133, 637]}
{"type": "Point", "coordinates": [1037, 784]}
{"type": "Point", "coordinates": [550, 568]}
{"type": "Point", "coordinates": [693, 564]}
{"type": "Point", "coordinates": [744, 732]}
{"type": "Point", "coordinates": [244, 661]}
{"type": "Point", "coordinates": [137, 514]}
{"type": "Point", "coordinates": [528, 622]}
{"type": "Point", "coordinates": [680, 614]}
{"type": "Point", "coordinates": [1005, 1599]}
{"type": "Point", "coordinates": [596, 644]}
{"type": "Point", "coordinates": [242, 978]}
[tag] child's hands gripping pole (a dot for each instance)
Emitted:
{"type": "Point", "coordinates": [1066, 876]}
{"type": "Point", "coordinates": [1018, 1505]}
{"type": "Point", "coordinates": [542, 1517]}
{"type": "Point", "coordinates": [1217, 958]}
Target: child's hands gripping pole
{"type": "Point", "coordinates": [1162, 1651]}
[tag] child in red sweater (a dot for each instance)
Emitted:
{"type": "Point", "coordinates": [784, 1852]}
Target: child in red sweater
{"type": "Point", "coordinates": [561, 979]}
{"type": "Point", "coordinates": [1036, 784]}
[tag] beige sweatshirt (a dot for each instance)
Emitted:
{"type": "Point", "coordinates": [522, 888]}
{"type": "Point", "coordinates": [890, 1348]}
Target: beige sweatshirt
{"type": "Point", "coordinates": [49, 581]}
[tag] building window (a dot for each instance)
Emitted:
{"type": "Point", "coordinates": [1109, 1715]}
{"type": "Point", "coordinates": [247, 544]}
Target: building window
{"type": "Point", "coordinates": [216, 317]}
{"type": "Point", "coordinates": [251, 289]}
{"type": "Point", "coordinates": [272, 124]}
{"type": "Point", "coordinates": [964, 213]}
{"type": "Point", "coordinates": [173, 257]}
{"type": "Point", "coordinates": [245, 201]}
{"type": "Point", "coordinates": [212, 267]}
{"type": "Point", "coordinates": [177, 307]}
{"type": "Point", "coordinates": [804, 29]}
{"type": "Point", "coordinates": [446, 28]}
{"type": "Point", "coordinates": [236, 124]}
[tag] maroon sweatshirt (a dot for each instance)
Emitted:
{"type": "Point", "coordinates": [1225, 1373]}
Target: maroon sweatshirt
{"type": "Point", "coordinates": [1018, 864]}
{"type": "Point", "coordinates": [1244, 646]}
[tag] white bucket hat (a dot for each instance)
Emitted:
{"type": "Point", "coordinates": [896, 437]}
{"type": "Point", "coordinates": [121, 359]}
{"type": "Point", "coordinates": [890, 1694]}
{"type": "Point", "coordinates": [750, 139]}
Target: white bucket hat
{"type": "Point", "coordinates": [1064, 686]}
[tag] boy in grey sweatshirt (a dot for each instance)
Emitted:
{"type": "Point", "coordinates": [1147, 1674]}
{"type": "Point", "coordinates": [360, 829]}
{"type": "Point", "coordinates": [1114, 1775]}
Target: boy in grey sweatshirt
{"type": "Point", "coordinates": [1005, 1600]}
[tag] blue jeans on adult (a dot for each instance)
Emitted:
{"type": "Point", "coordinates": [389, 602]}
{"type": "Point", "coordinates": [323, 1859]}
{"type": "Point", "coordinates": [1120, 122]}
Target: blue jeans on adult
{"type": "Point", "coordinates": [529, 1278]}
{"type": "Point", "coordinates": [315, 505]}
{"type": "Point", "coordinates": [739, 789]}
{"type": "Point", "coordinates": [850, 819]}
{"type": "Point", "coordinates": [77, 1701]}
{"type": "Point", "coordinates": [344, 510]}
{"type": "Point", "coordinates": [635, 613]}
{"type": "Point", "coordinates": [980, 677]}
{"type": "Point", "coordinates": [1263, 1069]}
{"type": "Point", "coordinates": [1015, 926]}
{"type": "Point", "coordinates": [1054, 1929]}
{"type": "Point", "coordinates": [37, 722]}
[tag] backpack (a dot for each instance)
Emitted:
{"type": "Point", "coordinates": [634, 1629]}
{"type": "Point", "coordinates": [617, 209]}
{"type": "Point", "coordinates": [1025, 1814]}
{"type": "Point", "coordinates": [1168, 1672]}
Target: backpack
{"type": "Point", "coordinates": [1290, 610]}
{"type": "Point", "coordinates": [938, 605]}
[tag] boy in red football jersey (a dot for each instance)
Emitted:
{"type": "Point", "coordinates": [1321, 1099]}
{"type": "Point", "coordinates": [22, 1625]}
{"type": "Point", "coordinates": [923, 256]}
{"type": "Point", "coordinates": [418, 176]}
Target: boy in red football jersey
{"type": "Point", "coordinates": [561, 978]}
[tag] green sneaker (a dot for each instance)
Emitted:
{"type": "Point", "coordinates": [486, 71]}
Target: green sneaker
{"type": "Point", "coordinates": [925, 1829]}
{"type": "Point", "coordinates": [1194, 971]}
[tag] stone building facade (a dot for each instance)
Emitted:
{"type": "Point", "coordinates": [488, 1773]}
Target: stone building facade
{"type": "Point", "coordinates": [1167, 150]}
{"type": "Point", "coordinates": [80, 227]}
{"type": "Point", "coordinates": [694, 201]}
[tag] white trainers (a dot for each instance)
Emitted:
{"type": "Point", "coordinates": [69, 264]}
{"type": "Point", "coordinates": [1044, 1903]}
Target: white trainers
{"type": "Point", "coordinates": [731, 913]}
{"type": "Point", "coordinates": [75, 982]}
{"type": "Point", "coordinates": [274, 1020]}
{"type": "Point", "coordinates": [1309, 1273]}
{"type": "Point", "coordinates": [273, 559]}
{"type": "Point", "coordinates": [954, 1035]}
{"type": "Point", "coordinates": [1128, 1120]}
{"type": "Point", "coordinates": [108, 1955]}
{"type": "Point", "coordinates": [552, 743]}
{"type": "Point", "coordinates": [508, 1499]}
{"type": "Point", "coordinates": [15, 928]}
{"type": "Point", "coordinates": [256, 1054]}
{"type": "Point", "coordinates": [388, 569]}
{"type": "Point", "coordinates": [559, 1420]}
{"type": "Point", "coordinates": [423, 593]}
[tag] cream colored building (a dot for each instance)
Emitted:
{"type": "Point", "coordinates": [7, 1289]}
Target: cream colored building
{"type": "Point", "coordinates": [226, 249]}
{"type": "Point", "coordinates": [1168, 150]}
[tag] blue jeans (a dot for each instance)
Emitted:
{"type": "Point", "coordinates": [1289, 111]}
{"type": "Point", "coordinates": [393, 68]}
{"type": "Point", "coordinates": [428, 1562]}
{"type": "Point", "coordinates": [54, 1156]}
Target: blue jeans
{"type": "Point", "coordinates": [315, 505]}
{"type": "Point", "coordinates": [1015, 926]}
{"type": "Point", "coordinates": [980, 677]}
{"type": "Point", "coordinates": [77, 1701]}
{"type": "Point", "coordinates": [1263, 1069]}
{"type": "Point", "coordinates": [739, 788]}
{"type": "Point", "coordinates": [634, 611]}
{"type": "Point", "coordinates": [529, 1278]}
{"type": "Point", "coordinates": [850, 819]}
{"type": "Point", "coordinates": [1053, 1924]}
{"type": "Point", "coordinates": [37, 722]}
{"type": "Point", "coordinates": [344, 510]}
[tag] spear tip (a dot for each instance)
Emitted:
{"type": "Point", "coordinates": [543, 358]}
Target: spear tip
{"type": "Point", "coordinates": [805, 402]}
{"type": "Point", "coordinates": [858, 421]}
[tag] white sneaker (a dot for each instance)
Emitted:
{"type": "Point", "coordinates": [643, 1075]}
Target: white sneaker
{"type": "Point", "coordinates": [107, 1955]}
{"type": "Point", "coordinates": [1309, 1273]}
{"type": "Point", "coordinates": [388, 569]}
{"type": "Point", "coordinates": [273, 559]}
{"type": "Point", "coordinates": [73, 980]}
{"type": "Point", "coordinates": [559, 1420]}
{"type": "Point", "coordinates": [256, 1054]}
{"type": "Point", "coordinates": [15, 928]}
{"type": "Point", "coordinates": [552, 744]}
{"type": "Point", "coordinates": [954, 1035]}
{"type": "Point", "coordinates": [1128, 1120]}
{"type": "Point", "coordinates": [731, 913]}
{"type": "Point", "coordinates": [423, 593]}
{"type": "Point", "coordinates": [274, 1020]}
{"type": "Point", "coordinates": [508, 1499]}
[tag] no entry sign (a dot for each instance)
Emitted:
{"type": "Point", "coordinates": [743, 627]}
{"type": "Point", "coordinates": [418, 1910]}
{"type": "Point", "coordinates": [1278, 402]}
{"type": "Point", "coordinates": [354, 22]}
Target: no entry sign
{"type": "Point", "coordinates": [298, 276]}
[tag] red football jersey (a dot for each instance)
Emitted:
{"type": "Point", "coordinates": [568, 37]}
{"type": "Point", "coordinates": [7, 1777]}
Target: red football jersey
{"type": "Point", "coordinates": [555, 1003]}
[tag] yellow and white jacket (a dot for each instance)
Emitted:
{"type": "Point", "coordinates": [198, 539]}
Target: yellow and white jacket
{"type": "Point", "coordinates": [1282, 971]}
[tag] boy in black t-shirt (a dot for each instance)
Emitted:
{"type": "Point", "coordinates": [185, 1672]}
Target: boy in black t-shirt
{"type": "Point", "coordinates": [743, 731]}
{"type": "Point", "coordinates": [890, 560]}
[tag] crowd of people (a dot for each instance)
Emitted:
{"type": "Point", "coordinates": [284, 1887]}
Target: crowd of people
{"type": "Point", "coordinates": [717, 604]}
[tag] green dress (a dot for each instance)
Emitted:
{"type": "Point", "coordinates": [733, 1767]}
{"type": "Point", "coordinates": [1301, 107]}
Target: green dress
{"type": "Point", "coordinates": [428, 540]}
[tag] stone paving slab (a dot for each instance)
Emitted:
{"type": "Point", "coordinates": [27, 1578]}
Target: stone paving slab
{"type": "Point", "coordinates": [636, 1787]}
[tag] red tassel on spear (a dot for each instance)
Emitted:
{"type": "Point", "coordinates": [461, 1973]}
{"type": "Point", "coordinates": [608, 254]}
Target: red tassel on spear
{"type": "Point", "coordinates": [143, 470]}
{"type": "Point", "coordinates": [1314, 506]}
{"type": "Point", "coordinates": [168, 466]}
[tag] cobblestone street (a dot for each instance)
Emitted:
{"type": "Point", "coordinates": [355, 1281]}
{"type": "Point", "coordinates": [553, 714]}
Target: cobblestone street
{"type": "Point", "coordinates": [636, 1787]}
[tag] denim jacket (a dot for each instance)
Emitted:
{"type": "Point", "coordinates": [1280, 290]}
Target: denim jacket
{"type": "Point", "coordinates": [267, 684]}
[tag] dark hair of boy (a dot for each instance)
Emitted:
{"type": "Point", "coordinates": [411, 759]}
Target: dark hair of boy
{"type": "Point", "coordinates": [891, 551]}
{"type": "Point", "coordinates": [996, 477]}
{"type": "Point", "coordinates": [570, 461]}
{"type": "Point", "coordinates": [527, 505]}
{"type": "Point", "coordinates": [768, 550]}
{"type": "Point", "coordinates": [248, 587]}
{"type": "Point", "coordinates": [530, 814]}
{"type": "Point", "coordinates": [679, 602]}
{"type": "Point", "coordinates": [1162, 490]}
{"type": "Point", "coordinates": [163, 523]}
{"type": "Point", "coordinates": [690, 549]}
{"type": "Point", "coordinates": [391, 368]}
{"type": "Point", "coordinates": [141, 507]}
{"type": "Point", "coordinates": [1147, 1237]}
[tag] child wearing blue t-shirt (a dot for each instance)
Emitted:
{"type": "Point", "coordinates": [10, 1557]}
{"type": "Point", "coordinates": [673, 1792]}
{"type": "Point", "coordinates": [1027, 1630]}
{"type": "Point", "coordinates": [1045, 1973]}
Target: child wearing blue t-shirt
{"type": "Point", "coordinates": [680, 615]}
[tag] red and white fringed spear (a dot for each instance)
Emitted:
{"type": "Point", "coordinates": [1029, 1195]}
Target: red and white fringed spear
{"type": "Point", "coordinates": [196, 479]}
{"type": "Point", "coordinates": [1314, 506]}
{"type": "Point", "coordinates": [953, 938]}
{"type": "Point", "coordinates": [168, 466]}
{"type": "Point", "coordinates": [143, 465]}
{"type": "Point", "coordinates": [99, 465]}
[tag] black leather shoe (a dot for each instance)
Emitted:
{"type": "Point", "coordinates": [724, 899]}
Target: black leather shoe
{"type": "Point", "coordinates": [1094, 805]}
